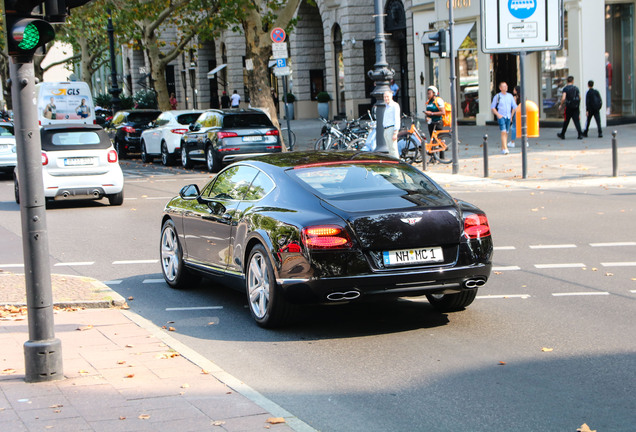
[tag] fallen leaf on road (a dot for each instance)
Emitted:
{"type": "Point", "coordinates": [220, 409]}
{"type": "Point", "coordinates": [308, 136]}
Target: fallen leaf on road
{"type": "Point", "coordinates": [275, 420]}
{"type": "Point", "coordinates": [585, 428]}
{"type": "Point", "coordinates": [544, 349]}
{"type": "Point", "coordinates": [56, 406]}
{"type": "Point", "coordinates": [120, 362]}
{"type": "Point", "coordinates": [205, 372]}
{"type": "Point", "coordinates": [186, 385]}
{"type": "Point", "coordinates": [171, 329]}
{"type": "Point", "coordinates": [84, 328]}
{"type": "Point", "coordinates": [609, 274]}
{"type": "Point", "coordinates": [8, 371]}
{"type": "Point", "coordinates": [210, 323]}
{"type": "Point", "coordinates": [594, 269]}
{"type": "Point", "coordinates": [502, 363]}
{"type": "Point", "coordinates": [218, 423]}
{"type": "Point", "coordinates": [131, 298]}
{"type": "Point", "coordinates": [129, 346]}
{"type": "Point", "coordinates": [497, 272]}
{"type": "Point", "coordinates": [130, 376]}
{"type": "Point", "coordinates": [83, 372]}
{"type": "Point", "coordinates": [144, 416]}
{"type": "Point", "coordinates": [122, 418]}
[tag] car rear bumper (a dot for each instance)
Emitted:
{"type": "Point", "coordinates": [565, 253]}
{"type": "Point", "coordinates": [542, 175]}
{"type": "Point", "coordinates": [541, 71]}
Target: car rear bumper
{"type": "Point", "coordinates": [83, 187]}
{"type": "Point", "coordinates": [8, 160]}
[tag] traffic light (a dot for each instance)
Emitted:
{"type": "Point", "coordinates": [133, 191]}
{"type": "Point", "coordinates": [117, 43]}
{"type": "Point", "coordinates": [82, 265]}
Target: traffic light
{"type": "Point", "coordinates": [440, 43]}
{"type": "Point", "coordinates": [25, 30]}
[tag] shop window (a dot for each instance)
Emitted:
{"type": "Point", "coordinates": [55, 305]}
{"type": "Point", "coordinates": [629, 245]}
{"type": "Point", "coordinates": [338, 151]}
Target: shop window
{"type": "Point", "coordinates": [554, 73]}
{"type": "Point", "coordinates": [468, 65]}
{"type": "Point", "coordinates": [620, 91]}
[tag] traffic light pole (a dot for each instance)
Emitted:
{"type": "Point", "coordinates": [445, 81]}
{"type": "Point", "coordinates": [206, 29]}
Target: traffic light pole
{"type": "Point", "coordinates": [42, 352]}
{"type": "Point", "coordinates": [453, 79]}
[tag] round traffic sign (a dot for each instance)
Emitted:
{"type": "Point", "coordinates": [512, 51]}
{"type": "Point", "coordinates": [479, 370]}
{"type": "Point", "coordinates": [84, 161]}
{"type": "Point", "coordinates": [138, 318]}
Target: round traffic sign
{"type": "Point", "coordinates": [278, 35]}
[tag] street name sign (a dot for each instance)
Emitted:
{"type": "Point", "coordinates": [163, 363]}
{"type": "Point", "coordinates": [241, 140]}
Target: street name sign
{"type": "Point", "coordinates": [521, 25]}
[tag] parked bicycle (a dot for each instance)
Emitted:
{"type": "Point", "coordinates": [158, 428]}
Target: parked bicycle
{"type": "Point", "coordinates": [410, 143]}
{"type": "Point", "coordinates": [349, 137]}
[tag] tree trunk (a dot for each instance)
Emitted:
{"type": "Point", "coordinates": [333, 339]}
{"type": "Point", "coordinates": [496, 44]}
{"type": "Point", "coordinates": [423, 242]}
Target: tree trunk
{"type": "Point", "coordinates": [157, 71]}
{"type": "Point", "coordinates": [85, 64]}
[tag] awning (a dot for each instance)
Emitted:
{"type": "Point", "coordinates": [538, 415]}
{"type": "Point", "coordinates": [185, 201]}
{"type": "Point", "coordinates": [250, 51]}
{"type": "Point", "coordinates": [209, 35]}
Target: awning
{"type": "Point", "coordinates": [215, 70]}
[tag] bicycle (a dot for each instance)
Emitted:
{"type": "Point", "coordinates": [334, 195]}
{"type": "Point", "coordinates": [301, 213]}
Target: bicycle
{"type": "Point", "coordinates": [436, 148]}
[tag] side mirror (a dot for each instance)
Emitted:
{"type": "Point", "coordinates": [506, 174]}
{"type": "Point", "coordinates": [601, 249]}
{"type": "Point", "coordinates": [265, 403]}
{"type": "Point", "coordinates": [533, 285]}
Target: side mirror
{"type": "Point", "coordinates": [189, 192]}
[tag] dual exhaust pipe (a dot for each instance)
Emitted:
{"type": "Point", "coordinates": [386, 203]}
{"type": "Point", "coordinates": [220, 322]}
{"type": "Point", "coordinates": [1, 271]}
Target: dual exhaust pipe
{"type": "Point", "coordinates": [341, 296]}
{"type": "Point", "coordinates": [474, 283]}
{"type": "Point", "coordinates": [95, 194]}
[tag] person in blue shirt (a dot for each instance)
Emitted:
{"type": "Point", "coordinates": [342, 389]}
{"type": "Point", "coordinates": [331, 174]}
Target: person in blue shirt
{"type": "Point", "coordinates": [503, 104]}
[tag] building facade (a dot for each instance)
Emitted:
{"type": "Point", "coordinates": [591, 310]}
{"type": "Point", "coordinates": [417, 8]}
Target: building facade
{"type": "Point", "coordinates": [332, 48]}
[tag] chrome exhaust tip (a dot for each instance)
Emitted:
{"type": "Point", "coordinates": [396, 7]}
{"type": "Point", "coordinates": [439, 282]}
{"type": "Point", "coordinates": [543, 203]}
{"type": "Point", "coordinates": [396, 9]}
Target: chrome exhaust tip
{"type": "Point", "coordinates": [342, 296]}
{"type": "Point", "coordinates": [474, 283]}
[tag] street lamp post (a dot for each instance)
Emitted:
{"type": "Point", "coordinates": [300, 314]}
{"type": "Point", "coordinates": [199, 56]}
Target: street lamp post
{"type": "Point", "coordinates": [114, 89]}
{"type": "Point", "coordinates": [381, 76]}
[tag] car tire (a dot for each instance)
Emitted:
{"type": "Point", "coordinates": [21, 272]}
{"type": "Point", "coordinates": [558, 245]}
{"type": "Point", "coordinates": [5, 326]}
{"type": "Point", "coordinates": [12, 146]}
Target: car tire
{"type": "Point", "coordinates": [452, 302]}
{"type": "Point", "coordinates": [145, 157]}
{"type": "Point", "coordinates": [121, 153]}
{"type": "Point", "coordinates": [167, 159]}
{"type": "Point", "coordinates": [116, 199]}
{"type": "Point", "coordinates": [266, 303]}
{"type": "Point", "coordinates": [186, 162]}
{"type": "Point", "coordinates": [212, 162]}
{"type": "Point", "coordinates": [16, 189]}
{"type": "Point", "coordinates": [173, 269]}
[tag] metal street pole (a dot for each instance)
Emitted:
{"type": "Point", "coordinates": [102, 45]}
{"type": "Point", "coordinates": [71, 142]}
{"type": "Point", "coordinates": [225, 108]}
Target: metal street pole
{"type": "Point", "coordinates": [114, 89]}
{"type": "Point", "coordinates": [287, 114]}
{"type": "Point", "coordinates": [42, 352]}
{"type": "Point", "coordinates": [453, 78]}
{"type": "Point", "coordinates": [381, 75]}
{"type": "Point", "coordinates": [524, 116]}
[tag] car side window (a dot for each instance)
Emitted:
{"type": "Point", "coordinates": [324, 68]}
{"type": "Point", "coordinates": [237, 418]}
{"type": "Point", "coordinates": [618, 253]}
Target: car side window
{"type": "Point", "coordinates": [162, 119]}
{"type": "Point", "coordinates": [261, 186]}
{"type": "Point", "coordinates": [233, 183]}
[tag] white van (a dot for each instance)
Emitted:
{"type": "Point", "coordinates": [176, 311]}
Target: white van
{"type": "Point", "coordinates": [65, 102]}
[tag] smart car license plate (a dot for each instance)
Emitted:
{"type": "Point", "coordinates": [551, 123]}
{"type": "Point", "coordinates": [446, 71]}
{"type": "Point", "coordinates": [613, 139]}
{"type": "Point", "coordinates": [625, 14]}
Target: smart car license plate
{"type": "Point", "coordinates": [78, 161]}
{"type": "Point", "coordinates": [252, 138]}
{"type": "Point", "coordinates": [413, 256]}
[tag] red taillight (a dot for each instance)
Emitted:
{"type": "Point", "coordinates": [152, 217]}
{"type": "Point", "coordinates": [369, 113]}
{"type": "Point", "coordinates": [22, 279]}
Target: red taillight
{"type": "Point", "coordinates": [45, 159]}
{"type": "Point", "coordinates": [221, 135]}
{"type": "Point", "coordinates": [326, 237]}
{"type": "Point", "coordinates": [129, 129]}
{"type": "Point", "coordinates": [273, 147]}
{"type": "Point", "coordinates": [112, 156]}
{"type": "Point", "coordinates": [272, 132]}
{"type": "Point", "coordinates": [476, 226]}
{"type": "Point", "coordinates": [179, 131]}
{"type": "Point", "coordinates": [229, 149]}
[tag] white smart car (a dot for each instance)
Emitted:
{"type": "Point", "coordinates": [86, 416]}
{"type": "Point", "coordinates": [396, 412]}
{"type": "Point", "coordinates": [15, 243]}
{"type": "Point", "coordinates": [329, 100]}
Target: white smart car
{"type": "Point", "coordinates": [164, 139]}
{"type": "Point", "coordinates": [78, 162]}
{"type": "Point", "coordinates": [8, 156]}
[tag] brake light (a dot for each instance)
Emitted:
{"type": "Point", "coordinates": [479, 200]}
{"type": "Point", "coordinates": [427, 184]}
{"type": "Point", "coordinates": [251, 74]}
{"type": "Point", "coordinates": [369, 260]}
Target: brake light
{"type": "Point", "coordinates": [179, 131]}
{"type": "Point", "coordinates": [273, 147]}
{"type": "Point", "coordinates": [129, 129]}
{"type": "Point", "coordinates": [229, 149]}
{"type": "Point", "coordinates": [326, 237]}
{"type": "Point", "coordinates": [272, 132]}
{"type": "Point", "coordinates": [221, 135]}
{"type": "Point", "coordinates": [112, 156]}
{"type": "Point", "coordinates": [476, 226]}
{"type": "Point", "coordinates": [45, 159]}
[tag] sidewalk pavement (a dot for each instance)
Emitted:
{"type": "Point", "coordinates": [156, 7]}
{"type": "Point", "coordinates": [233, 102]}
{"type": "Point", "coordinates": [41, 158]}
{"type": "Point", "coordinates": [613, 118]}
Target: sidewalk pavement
{"type": "Point", "coordinates": [121, 372]}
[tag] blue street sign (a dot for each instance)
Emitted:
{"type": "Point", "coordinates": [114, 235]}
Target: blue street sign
{"type": "Point", "coordinates": [281, 62]}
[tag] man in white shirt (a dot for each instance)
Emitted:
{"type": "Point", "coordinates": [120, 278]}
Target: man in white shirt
{"type": "Point", "coordinates": [235, 99]}
{"type": "Point", "coordinates": [391, 123]}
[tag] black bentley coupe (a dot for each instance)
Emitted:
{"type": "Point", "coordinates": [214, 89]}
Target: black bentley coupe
{"type": "Point", "coordinates": [326, 227]}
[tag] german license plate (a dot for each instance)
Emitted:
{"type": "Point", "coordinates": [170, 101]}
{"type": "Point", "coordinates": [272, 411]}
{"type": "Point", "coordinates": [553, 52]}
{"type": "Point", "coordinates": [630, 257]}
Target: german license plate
{"type": "Point", "coordinates": [78, 161]}
{"type": "Point", "coordinates": [413, 256]}
{"type": "Point", "coordinates": [252, 138]}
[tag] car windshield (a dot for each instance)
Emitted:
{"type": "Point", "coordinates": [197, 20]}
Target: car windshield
{"type": "Point", "coordinates": [252, 120]}
{"type": "Point", "coordinates": [347, 180]}
{"type": "Point", "coordinates": [186, 119]}
{"type": "Point", "coordinates": [6, 130]}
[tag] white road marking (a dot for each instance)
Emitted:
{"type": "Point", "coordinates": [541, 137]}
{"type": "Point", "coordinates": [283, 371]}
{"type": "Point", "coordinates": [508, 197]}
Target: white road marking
{"type": "Point", "coordinates": [166, 180]}
{"type": "Point", "coordinates": [506, 268]}
{"type": "Point", "coordinates": [136, 262]}
{"type": "Point", "coordinates": [632, 291]}
{"type": "Point", "coordinates": [619, 264]}
{"type": "Point", "coordinates": [11, 265]}
{"type": "Point", "coordinates": [555, 246]}
{"type": "Point", "coordinates": [562, 265]}
{"type": "Point", "coordinates": [194, 308]}
{"type": "Point", "coordinates": [153, 281]}
{"type": "Point", "coordinates": [505, 248]}
{"type": "Point", "coordinates": [160, 198]}
{"type": "Point", "coordinates": [586, 293]}
{"type": "Point", "coordinates": [85, 263]}
{"type": "Point", "coordinates": [131, 198]}
{"type": "Point", "coordinates": [504, 296]}
{"type": "Point", "coordinates": [113, 282]}
{"type": "Point", "coordinates": [613, 244]}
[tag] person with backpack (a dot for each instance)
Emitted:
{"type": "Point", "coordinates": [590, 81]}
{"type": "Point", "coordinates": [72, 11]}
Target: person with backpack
{"type": "Point", "coordinates": [593, 104]}
{"type": "Point", "coordinates": [571, 97]}
{"type": "Point", "coordinates": [502, 106]}
{"type": "Point", "coordinates": [435, 110]}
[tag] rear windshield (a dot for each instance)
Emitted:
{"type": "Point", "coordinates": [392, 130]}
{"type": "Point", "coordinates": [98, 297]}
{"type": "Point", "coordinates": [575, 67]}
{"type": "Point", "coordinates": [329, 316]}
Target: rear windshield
{"type": "Point", "coordinates": [186, 119]}
{"type": "Point", "coordinates": [365, 180]}
{"type": "Point", "coordinates": [141, 118]}
{"type": "Point", "coordinates": [69, 140]}
{"type": "Point", "coordinates": [252, 120]}
{"type": "Point", "coordinates": [6, 130]}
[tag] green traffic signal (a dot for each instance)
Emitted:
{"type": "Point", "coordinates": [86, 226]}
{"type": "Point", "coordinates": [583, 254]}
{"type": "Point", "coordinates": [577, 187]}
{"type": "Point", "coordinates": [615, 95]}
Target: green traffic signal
{"type": "Point", "coordinates": [30, 37]}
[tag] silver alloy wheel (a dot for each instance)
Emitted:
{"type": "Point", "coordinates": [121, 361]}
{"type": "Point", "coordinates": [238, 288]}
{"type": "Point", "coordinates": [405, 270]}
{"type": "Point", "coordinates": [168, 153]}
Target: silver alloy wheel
{"type": "Point", "coordinates": [437, 296]}
{"type": "Point", "coordinates": [258, 285]}
{"type": "Point", "coordinates": [164, 154]}
{"type": "Point", "coordinates": [210, 158]}
{"type": "Point", "coordinates": [170, 253]}
{"type": "Point", "coordinates": [184, 157]}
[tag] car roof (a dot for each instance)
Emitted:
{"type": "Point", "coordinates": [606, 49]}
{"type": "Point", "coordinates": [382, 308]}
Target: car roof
{"type": "Point", "coordinates": [179, 112]}
{"type": "Point", "coordinates": [144, 110]}
{"type": "Point", "coordinates": [295, 159]}
{"type": "Point", "coordinates": [65, 126]}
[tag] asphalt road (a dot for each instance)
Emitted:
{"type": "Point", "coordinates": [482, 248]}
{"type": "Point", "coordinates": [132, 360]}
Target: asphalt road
{"type": "Point", "coordinates": [549, 344]}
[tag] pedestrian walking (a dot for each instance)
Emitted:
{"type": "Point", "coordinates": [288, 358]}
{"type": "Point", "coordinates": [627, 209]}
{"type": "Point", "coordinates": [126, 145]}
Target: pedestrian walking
{"type": "Point", "coordinates": [435, 112]}
{"type": "Point", "coordinates": [173, 101]}
{"type": "Point", "coordinates": [571, 98]}
{"type": "Point", "coordinates": [502, 106]}
{"type": "Point", "coordinates": [593, 104]}
{"type": "Point", "coordinates": [395, 89]}
{"type": "Point", "coordinates": [225, 100]}
{"type": "Point", "coordinates": [391, 123]}
{"type": "Point", "coordinates": [235, 99]}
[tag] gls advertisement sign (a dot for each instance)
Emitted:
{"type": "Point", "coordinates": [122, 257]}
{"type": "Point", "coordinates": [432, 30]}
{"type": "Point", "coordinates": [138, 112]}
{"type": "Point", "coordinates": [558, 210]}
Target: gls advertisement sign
{"type": "Point", "coordinates": [65, 102]}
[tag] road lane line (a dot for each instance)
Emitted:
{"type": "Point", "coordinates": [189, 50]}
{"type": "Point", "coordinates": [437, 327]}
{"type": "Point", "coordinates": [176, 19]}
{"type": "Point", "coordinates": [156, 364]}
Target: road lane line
{"type": "Point", "coordinates": [136, 262]}
{"type": "Point", "coordinates": [153, 281]}
{"type": "Point", "coordinates": [632, 291]}
{"type": "Point", "coordinates": [506, 268]}
{"type": "Point", "coordinates": [504, 296]}
{"type": "Point", "coordinates": [11, 265]}
{"type": "Point", "coordinates": [85, 263]}
{"type": "Point", "coordinates": [619, 264]}
{"type": "Point", "coordinates": [555, 246]}
{"type": "Point", "coordinates": [562, 265]}
{"type": "Point", "coordinates": [193, 308]}
{"type": "Point", "coordinates": [160, 198]}
{"type": "Point", "coordinates": [505, 248]}
{"type": "Point", "coordinates": [586, 293]}
{"type": "Point", "coordinates": [113, 282]}
{"type": "Point", "coordinates": [613, 244]}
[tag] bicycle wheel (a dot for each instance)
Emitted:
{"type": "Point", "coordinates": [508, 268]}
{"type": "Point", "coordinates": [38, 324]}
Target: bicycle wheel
{"type": "Point", "coordinates": [285, 133]}
{"type": "Point", "coordinates": [441, 154]}
{"type": "Point", "coordinates": [324, 143]}
{"type": "Point", "coordinates": [411, 152]}
{"type": "Point", "coordinates": [356, 144]}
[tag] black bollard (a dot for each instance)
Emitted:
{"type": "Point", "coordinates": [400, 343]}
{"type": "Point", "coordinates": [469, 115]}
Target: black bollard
{"type": "Point", "coordinates": [614, 155]}
{"type": "Point", "coordinates": [423, 152]}
{"type": "Point", "coordinates": [485, 155]}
